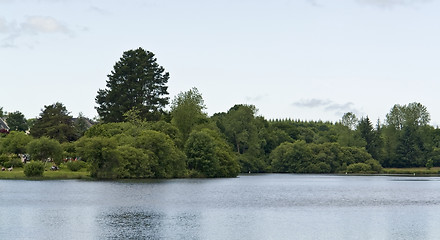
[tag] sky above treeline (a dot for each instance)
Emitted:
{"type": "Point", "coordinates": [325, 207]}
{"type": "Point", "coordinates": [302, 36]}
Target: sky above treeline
{"type": "Point", "coordinates": [298, 59]}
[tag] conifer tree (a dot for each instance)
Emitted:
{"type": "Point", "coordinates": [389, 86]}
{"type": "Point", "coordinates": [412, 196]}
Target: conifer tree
{"type": "Point", "coordinates": [137, 81]}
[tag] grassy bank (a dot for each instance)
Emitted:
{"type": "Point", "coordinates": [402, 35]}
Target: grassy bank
{"type": "Point", "coordinates": [417, 171]}
{"type": "Point", "coordinates": [63, 173]}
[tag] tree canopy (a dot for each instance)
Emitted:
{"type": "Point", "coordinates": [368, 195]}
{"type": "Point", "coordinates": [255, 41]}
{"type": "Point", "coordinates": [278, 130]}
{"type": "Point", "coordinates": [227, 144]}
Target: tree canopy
{"type": "Point", "coordinates": [16, 121]}
{"type": "Point", "coordinates": [56, 123]}
{"type": "Point", "coordinates": [136, 81]}
{"type": "Point", "coordinates": [187, 111]}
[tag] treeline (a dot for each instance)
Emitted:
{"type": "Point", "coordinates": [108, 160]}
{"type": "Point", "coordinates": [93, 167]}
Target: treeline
{"type": "Point", "coordinates": [188, 143]}
{"type": "Point", "coordinates": [135, 137]}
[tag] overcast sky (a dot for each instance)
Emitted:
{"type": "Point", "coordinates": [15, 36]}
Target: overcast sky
{"type": "Point", "coordinates": [299, 59]}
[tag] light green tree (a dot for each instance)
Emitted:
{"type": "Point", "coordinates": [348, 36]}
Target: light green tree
{"type": "Point", "coordinates": [45, 149]}
{"type": "Point", "coordinates": [15, 142]}
{"type": "Point", "coordinates": [187, 111]}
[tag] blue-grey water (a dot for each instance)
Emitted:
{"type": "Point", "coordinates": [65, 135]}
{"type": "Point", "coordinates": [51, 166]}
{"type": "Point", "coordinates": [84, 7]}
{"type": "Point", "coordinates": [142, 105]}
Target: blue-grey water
{"type": "Point", "coordinates": [266, 206]}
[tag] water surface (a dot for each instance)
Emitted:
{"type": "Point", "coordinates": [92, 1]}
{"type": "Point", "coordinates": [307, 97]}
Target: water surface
{"type": "Point", "coordinates": [266, 206]}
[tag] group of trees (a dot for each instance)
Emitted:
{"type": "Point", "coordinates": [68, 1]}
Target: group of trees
{"type": "Point", "coordinates": [137, 138]}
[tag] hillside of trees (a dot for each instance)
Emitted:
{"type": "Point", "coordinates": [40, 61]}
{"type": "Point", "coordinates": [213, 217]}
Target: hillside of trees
{"type": "Point", "coordinates": [135, 137]}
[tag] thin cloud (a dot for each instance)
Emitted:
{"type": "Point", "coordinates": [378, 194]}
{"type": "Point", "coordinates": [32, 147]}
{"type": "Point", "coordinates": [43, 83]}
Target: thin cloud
{"type": "Point", "coordinates": [256, 98]}
{"type": "Point", "coordinates": [99, 10]}
{"type": "Point", "coordinates": [41, 24]}
{"type": "Point", "coordinates": [327, 105]}
{"type": "Point", "coordinates": [31, 25]}
{"type": "Point", "coordinates": [377, 3]}
{"type": "Point", "coordinates": [337, 106]}
{"type": "Point", "coordinates": [3, 25]}
{"type": "Point", "coordinates": [312, 103]}
{"type": "Point", "coordinates": [392, 3]}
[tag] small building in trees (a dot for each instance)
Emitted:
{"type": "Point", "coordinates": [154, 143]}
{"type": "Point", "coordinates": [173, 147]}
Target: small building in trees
{"type": "Point", "coordinates": [3, 125]}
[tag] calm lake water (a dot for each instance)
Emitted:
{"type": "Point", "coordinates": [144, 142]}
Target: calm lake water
{"type": "Point", "coordinates": [266, 206]}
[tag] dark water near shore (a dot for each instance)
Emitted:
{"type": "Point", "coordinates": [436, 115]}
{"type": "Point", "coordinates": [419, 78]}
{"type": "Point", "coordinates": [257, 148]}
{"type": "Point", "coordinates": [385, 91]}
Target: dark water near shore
{"type": "Point", "coordinates": [268, 206]}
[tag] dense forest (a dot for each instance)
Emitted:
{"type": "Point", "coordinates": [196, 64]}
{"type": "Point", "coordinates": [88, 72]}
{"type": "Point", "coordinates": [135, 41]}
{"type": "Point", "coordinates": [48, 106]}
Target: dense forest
{"type": "Point", "coordinates": [136, 137]}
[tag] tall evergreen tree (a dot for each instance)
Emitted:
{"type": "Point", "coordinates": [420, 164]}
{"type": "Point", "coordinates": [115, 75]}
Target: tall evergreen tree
{"type": "Point", "coordinates": [372, 138]}
{"type": "Point", "coordinates": [137, 81]}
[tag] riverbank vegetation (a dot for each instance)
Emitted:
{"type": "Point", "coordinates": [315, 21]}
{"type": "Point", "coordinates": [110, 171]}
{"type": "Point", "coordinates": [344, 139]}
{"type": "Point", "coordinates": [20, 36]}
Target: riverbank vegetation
{"type": "Point", "coordinates": [136, 136]}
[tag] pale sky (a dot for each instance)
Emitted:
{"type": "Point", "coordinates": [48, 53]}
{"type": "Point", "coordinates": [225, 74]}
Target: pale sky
{"type": "Point", "coordinates": [298, 59]}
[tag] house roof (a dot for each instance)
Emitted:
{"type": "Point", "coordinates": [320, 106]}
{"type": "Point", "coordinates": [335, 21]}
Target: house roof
{"type": "Point", "coordinates": [3, 124]}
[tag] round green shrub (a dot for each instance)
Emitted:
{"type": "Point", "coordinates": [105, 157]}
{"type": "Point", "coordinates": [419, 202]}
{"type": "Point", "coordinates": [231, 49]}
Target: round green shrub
{"type": "Point", "coordinates": [75, 165]}
{"type": "Point", "coordinates": [359, 168]}
{"type": "Point", "coordinates": [375, 165]}
{"type": "Point", "coordinates": [4, 158]}
{"type": "Point", "coordinates": [34, 169]}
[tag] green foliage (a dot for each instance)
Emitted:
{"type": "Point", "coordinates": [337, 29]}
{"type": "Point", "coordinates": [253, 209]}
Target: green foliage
{"type": "Point", "coordinates": [301, 157]}
{"type": "Point", "coordinates": [413, 114]}
{"type": "Point", "coordinates": [359, 168]}
{"type": "Point", "coordinates": [34, 169]}
{"type": "Point", "coordinates": [135, 163]}
{"type": "Point", "coordinates": [75, 165]}
{"type": "Point", "coordinates": [69, 149]}
{"type": "Point", "coordinates": [375, 165]}
{"type": "Point", "coordinates": [349, 120]}
{"type": "Point", "coordinates": [101, 153]}
{"type": "Point", "coordinates": [56, 123]}
{"type": "Point", "coordinates": [4, 158]}
{"type": "Point", "coordinates": [429, 163]}
{"type": "Point", "coordinates": [45, 149]}
{"type": "Point", "coordinates": [209, 155]}
{"type": "Point", "coordinates": [187, 111]}
{"type": "Point", "coordinates": [81, 124]}
{"type": "Point", "coordinates": [14, 142]}
{"type": "Point", "coordinates": [13, 161]}
{"type": "Point", "coordinates": [246, 133]}
{"type": "Point", "coordinates": [16, 121]}
{"type": "Point", "coordinates": [372, 138]}
{"type": "Point", "coordinates": [136, 81]}
{"type": "Point", "coordinates": [170, 160]}
{"type": "Point", "coordinates": [292, 157]}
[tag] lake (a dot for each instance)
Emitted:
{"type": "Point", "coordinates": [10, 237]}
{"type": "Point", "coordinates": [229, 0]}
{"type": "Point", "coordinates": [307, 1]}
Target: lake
{"type": "Point", "coordinates": [261, 206]}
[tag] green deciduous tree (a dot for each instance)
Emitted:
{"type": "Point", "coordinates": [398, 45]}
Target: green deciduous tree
{"type": "Point", "coordinates": [14, 142]}
{"type": "Point", "coordinates": [137, 81]}
{"type": "Point", "coordinates": [135, 163]}
{"type": "Point", "coordinates": [291, 157]}
{"type": "Point", "coordinates": [407, 141]}
{"type": "Point", "coordinates": [169, 161]}
{"type": "Point", "coordinates": [187, 111]}
{"type": "Point", "coordinates": [242, 129]}
{"type": "Point", "coordinates": [210, 155]}
{"type": "Point", "coordinates": [412, 114]}
{"type": "Point", "coordinates": [102, 155]}
{"type": "Point", "coordinates": [16, 121]}
{"type": "Point", "coordinates": [56, 123]}
{"type": "Point", "coordinates": [349, 120]}
{"type": "Point", "coordinates": [45, 149]}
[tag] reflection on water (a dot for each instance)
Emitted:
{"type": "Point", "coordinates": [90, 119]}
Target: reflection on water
{"type": "Point", "coordinates": [269, 206]}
